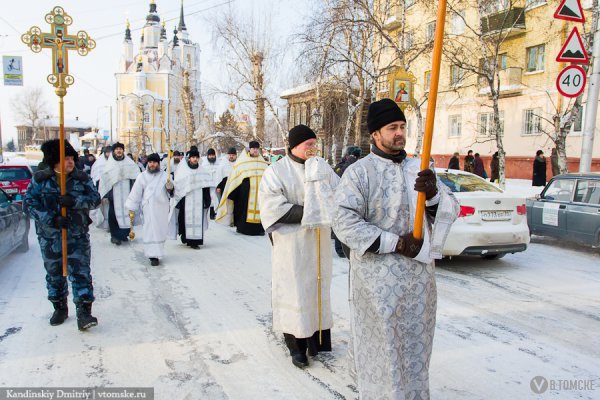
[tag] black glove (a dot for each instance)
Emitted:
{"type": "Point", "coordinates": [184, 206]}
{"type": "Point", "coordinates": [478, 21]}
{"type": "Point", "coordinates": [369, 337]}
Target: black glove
{"type": "Point", "coordinates": [408, 246]}
{"type": "Point", "coordinates": [66, 201]}
{"type": "Point", "coordinates": [426, 183]}
{"type": "Point", "coordinates": [60, 222]}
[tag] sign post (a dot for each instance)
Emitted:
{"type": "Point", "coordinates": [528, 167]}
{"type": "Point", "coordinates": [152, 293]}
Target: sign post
{"type": "Point", "coordinates": [61, 43]}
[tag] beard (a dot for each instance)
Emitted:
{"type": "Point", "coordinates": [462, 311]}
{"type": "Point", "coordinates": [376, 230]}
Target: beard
{"type": "Point", "coordinates": [392, 146]}
{"type": "Point", "coordinates": [153, 170]}
{"type": "Point", "coordinates": [118, 158]}
{"type": "Point", "coordinates": [212, 160]}
{"type": "Point", "coordinates": [176, 161]}
{"type": "Point", "coordinates": [192, 165]}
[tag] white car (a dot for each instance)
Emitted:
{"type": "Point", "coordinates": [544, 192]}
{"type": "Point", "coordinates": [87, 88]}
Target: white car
{"type": "Point", "coordinates": [491, 223]}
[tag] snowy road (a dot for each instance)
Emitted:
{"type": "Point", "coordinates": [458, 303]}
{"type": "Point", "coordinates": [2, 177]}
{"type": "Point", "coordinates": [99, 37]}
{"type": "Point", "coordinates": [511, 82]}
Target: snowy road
{"type": "Point", "coordinates": [199, 325]}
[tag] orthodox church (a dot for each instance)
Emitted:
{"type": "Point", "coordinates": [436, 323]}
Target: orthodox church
{"type": "Point", "coordinates": [158, 88]}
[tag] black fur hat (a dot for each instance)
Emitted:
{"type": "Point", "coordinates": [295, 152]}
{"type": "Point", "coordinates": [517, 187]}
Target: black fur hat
{"type": "Point", "coordinates": [51, 150]}
{"type": "Point", "coordinates": [154, 157]}
{"type": "Point", "coordinates": [121, 145]}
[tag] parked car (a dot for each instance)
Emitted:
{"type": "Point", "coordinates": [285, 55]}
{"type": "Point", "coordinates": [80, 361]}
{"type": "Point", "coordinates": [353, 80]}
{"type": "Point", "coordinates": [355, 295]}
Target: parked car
{"type": "Point", "coordinates": [14, 179]}
{"type": "Point", "coordinates": [14, 226]}
{"type": "Point", "coordinates": [491, 223]}
{"type": "Point", "coordinates": [568, 208]}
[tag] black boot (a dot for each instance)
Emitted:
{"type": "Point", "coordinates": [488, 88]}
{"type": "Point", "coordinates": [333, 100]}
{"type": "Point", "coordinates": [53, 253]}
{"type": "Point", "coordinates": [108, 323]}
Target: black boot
{"type": "Point", "coordinates": [61, 312]}
{"type": "Point", "coordinates": [85, 319]}
{"type": "Point", "coordinates": [154, 261]}
{"type": "Point", "coordinates": [299, 360]}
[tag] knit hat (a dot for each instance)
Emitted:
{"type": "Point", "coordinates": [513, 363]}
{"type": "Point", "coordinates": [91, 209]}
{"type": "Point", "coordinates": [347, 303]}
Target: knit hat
{"type": "Point", "coordinates": [117, 145]}
{"type": "Point", "coordinates": [383, 112]}
{"type": "Point", "coordinates": [176, 153]}
{"type": "Point", "coordinates": [300, 133]}
{"type": "Point", "coordinates": [211, 152]}
{"type": "Point", "coordinates": [193, 153]}
{"type": "Point", "coordinates": [51, 150]}
{"type": "Point", "coordinates": [232, 150]}
{"type": "Point", "coordinates": [254, 145]}
{"type": "Point", "coordinates": [154, 157]}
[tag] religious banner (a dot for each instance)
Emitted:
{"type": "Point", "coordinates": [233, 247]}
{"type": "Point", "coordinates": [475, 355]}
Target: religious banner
{"type": "Point", "coordinates": [401, 84]}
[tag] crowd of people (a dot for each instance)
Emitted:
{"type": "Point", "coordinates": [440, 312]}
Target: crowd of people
{"type": "Point", "coordinates": [298, 201]}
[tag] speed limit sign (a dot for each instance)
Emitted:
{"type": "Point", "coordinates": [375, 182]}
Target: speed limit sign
{"type": "Point", "coordinates": [571, 81]}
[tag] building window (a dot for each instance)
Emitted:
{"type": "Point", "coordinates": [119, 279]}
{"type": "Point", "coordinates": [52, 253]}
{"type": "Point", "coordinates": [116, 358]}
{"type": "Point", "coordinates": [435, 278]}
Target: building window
{"type": "Point", "coordinates": [131, 116]}
{"type": "Point", "coordinates": [408, 40]}
{"type": "Point", "coordinates": [502, 58]}
{"type": "Point", "coordinates": [408, 3]}
{"type": "Point", "coordinates": [534, 3]}
{"type": "Point", "coordinates": [455, 125]}
{"type": "Point", "coordinates": [430, 31]}
{"type": "Point", "coordinates": [486, 124]}
{"type": "Point", "coordinates": [147, 117]}
{"type": "Point", "coordinates": [427, 81]}
{"type": "Point", "coordinates": [494, 6]}
{"type": "Point", "coordinates": [458, 23]}
{"type": "Point", "coordinates": [532, 122]}
{"type": "Point", "coordinates": [535, 58]}
{"type": "Point", "coordinates": [457, 75]}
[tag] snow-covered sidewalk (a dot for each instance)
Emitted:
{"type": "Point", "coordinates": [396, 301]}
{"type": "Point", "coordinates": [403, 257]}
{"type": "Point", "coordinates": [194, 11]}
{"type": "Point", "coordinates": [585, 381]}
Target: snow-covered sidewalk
{"type": "Point", "coordinates": [199, 325]}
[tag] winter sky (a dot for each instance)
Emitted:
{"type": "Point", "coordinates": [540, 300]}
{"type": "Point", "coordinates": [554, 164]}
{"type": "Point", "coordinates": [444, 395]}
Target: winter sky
{"type": "Point", "coordinates": [95, 85]}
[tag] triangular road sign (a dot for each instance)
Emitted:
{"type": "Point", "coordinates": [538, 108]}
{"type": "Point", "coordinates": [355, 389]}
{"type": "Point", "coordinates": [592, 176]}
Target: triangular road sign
{"type": "Point", "coordinates": [573, 50]}
{"type": "Point", "coordinates": [570, 10]}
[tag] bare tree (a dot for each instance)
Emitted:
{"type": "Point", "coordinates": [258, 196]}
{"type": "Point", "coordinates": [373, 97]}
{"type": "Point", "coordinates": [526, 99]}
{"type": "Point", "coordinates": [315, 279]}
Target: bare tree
{"type": "Point", "coordinates": [248, 51]}
{"type": "Point", "coordinates": [30, 107]}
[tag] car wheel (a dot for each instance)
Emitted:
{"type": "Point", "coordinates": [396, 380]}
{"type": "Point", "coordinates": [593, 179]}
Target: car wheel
{"type": "Point", "coordinates": [493, 256]}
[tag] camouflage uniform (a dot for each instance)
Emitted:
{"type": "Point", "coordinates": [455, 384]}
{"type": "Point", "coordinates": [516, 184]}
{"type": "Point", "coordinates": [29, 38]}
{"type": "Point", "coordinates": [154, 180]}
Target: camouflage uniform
{"type": "Point", "coordinates": [41, 202]}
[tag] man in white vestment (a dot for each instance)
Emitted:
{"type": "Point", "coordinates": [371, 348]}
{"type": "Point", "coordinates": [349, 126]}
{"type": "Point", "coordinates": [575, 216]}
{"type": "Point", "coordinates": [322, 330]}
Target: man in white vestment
{"type": "Point", "coordinates": [392, 279]}
{"type": "Point", "coordinates": [284, 203]}
{"type": "Point", "coordinates": [98, 166]}
{"type": "Point", "coordinates": [212, 166]}
{"type": "Point", "coordinates": [225, 168]}
{"type": "Point", "coordinates": [191, 201]}
{"type": "Point", "coordinates": [151, 194]}
{"type": "Point", "coordinates": [116, 181]}
{"type": "Point", "coordinates": [100, 215]}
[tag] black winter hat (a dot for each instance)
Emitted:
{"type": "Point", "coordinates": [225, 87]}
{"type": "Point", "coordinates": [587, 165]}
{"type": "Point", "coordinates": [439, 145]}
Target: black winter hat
{"type": "Point", "coordinates": [193, 153]}
{"type": "Point", "coordinates": [176, 153]}
{"type": "Point", "coordinates": [117, 145]}
{"type": "Point", "coordinates": [383, 112]}
{"type": "Point", "coordinates": [107, 149]}
{"type": "Point", "coordinates": [232, 150]}
{"type": "Point", "coordinates": [154, 157]}
{"type": "Point", "coordinates": [300, 133]}
{"type": "Point", "coordinates": [51, 150]}
{"type": "Point", "coordinates": [211, 152]}
{"type": "Point", "coordinates": [254, 145]}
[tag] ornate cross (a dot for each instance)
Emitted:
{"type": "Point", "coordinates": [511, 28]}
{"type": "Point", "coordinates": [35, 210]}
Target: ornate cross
{"type": "Point", "coordinates": [60, 42]}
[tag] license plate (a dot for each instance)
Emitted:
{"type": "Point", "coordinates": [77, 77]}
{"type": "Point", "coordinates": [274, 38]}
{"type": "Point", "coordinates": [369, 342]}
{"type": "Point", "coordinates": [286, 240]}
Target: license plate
{"type": "Point", "coordinates": [502, 215]}
{"type": "Point", "coordinates": [11, 190]}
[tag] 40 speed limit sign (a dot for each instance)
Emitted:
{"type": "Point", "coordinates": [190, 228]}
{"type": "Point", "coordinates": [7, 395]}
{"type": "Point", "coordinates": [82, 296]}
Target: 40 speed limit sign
{"type": "Point", "coordinates": [571, 81]}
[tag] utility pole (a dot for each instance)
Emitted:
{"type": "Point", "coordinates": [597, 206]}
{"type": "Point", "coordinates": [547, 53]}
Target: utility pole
{"type": "Point", "coordinates": [257, 77]}
{"type": "Point", "coordinates": [587, 141]}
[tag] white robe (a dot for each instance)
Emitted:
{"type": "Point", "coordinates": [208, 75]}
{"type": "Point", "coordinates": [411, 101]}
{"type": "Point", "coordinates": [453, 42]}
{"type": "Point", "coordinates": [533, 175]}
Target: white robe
{"type": "Point", "coordinates": [150, 196]}
{"type": "Point", "coordinates": [99, 215]}
{"type": "Point", "coordinates": [214, 171]}
{"type": "Point", "coordinates": [393, 298]}
{"type": "Point", "coordinates": [189, 184]}
{"type": "Point", "coordinates": [116, 176]}
{"type": "Point", "coordinates": [294, 253]}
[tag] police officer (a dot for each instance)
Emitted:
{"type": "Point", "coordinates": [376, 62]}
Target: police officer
{"type": "Point", "coordinates": [43, 203]}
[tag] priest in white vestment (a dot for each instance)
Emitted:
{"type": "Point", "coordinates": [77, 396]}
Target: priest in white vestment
{"type": "Point", "coordinates": [392, 279]}
{"type": "Point", "coordinates": [116, 181]}
{"type": "Point", "coordinates": [296, 200]}
{"type": "Point", "coordinates": [100, 215]}
{"type": "Point", "coordinates": [150, 196]}
{"type": "Point", "coordinates": [212, 166]}
{"type": "Point", "coordinates": [191, 201]}
{"type": "Point", "coordinates": [225, 167]}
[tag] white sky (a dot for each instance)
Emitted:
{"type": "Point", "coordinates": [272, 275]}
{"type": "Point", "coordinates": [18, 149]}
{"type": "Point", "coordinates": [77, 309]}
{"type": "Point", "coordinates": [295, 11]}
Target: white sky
{"type": "Point", "coordinates": [104, 20]}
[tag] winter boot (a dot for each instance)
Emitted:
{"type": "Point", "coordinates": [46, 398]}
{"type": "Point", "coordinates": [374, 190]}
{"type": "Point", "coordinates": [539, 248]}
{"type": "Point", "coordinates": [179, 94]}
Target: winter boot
{"type": "Point", "coordinates": [61, 312]}
{"type": "Point", "coordinates": [154, 261]}
{"type": "Point", "coordinates": [85, 319]}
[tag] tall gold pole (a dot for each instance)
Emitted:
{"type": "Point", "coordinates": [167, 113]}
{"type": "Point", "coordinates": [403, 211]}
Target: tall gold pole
{"type": "Point", "coordinates": [319, 286]}
{"type": "Point", "coordinates": [431, 104]}
{"type": "Point", "coordinates": [60, 92]}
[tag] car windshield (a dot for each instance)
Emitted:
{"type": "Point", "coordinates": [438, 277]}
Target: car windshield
{"type": "Point", "coordinates": [14, 174]}
{"type": "Point", "coordinates": [467, 183]}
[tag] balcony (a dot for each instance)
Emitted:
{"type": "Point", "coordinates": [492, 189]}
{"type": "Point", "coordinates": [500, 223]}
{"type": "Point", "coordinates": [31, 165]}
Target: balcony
{"type": "Point", "coordinates": [510, 22]}
{"type": "Point", "coordinates": [392, 23]}
{"type": "Point", "coordinates": [511, 83]}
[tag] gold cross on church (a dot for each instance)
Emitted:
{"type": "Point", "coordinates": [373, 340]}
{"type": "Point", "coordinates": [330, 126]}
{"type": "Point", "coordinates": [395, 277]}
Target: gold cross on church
{"type": "Point", "coordinates": [60, 42]}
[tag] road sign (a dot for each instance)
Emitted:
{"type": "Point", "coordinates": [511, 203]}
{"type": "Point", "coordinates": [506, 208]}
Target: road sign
{"type": "Point", "coordinates": [571, 81]}
{"type": "Point", "coordinates": [12, 70]}
{"type": "Point", "coordinates": [570, 10]}
{"type": "Point", "coordinates": [573, 50]}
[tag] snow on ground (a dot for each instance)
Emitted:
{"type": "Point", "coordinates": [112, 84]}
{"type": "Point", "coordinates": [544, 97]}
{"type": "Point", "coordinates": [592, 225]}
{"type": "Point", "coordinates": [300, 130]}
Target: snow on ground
{"type": "Point", "coordinates": [199, 325]}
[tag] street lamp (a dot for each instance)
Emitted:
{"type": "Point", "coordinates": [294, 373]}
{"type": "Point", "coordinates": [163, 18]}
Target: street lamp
{"type": "Point", "coordinates": [111, 125]}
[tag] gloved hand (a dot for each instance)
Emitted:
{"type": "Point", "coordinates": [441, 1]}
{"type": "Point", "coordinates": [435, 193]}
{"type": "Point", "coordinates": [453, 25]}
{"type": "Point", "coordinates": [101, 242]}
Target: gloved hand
{"type": "Point", "coordinates": [169, 185]}
{"type": "Point", "coordinates": [426, 183]}
{"type": "Point", "coordinates": [408, 246]}
{"type": "Point", "coordinates": [66, 201]}
{"type": "Point", "coordinates": [60, 222]}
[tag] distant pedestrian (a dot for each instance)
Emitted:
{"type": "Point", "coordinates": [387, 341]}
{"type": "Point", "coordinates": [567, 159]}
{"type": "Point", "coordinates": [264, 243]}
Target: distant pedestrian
{"type": "Point", "coordinates": [495, 168]}
{"type": "Point", "coordinates": [454, 162]}
{"type": "Point", "coordinates": [478, 168]}
{"type": "Point", "coordinates": [539, 169]}
{"type": "Point", "coordinates": [469, 165]}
